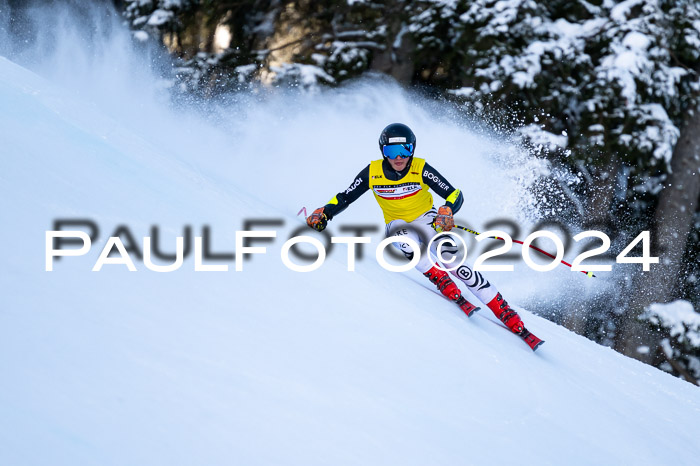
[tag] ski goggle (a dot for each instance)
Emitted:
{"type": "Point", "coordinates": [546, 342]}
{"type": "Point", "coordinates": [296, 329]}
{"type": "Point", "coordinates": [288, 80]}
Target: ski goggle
{"type": "Point", "coordinates": [398, 150]}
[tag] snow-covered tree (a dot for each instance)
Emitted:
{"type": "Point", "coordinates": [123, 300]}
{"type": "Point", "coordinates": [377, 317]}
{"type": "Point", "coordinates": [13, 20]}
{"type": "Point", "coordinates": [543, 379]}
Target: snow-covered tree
{"type": "Point", "coordinates": [604, 76]}
{"type": "Point", "coordinates": [155, 18]}
{"type": "Point", "coordinates": [674, 225]}
{"type": "Point", "coordinates": [680, 346]}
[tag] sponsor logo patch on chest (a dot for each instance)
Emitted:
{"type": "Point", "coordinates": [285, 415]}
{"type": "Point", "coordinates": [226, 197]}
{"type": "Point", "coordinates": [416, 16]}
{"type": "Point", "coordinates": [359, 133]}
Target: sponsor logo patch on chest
{"type": "Point", "coordinates": [397, 191]}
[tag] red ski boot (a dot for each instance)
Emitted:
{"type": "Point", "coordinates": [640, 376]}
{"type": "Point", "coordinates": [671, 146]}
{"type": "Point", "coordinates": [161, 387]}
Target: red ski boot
{"type": "Point", "coordinates": [508, 316]}
{"type": "Point", "coordinates": [444, 283]}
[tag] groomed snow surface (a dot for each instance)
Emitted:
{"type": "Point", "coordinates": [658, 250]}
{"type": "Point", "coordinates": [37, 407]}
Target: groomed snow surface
{"type": "Point", "coordinates": [269, 366]}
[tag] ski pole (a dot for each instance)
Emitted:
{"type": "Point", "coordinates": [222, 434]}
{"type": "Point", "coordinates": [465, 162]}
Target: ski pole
{"type": "Point", "coordinates": [589, 274]}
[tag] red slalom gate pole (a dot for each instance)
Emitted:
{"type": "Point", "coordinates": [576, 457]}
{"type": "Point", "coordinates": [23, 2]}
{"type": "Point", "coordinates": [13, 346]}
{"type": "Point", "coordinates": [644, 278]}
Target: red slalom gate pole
{"type": "Point", "coordinates": [588, 274]}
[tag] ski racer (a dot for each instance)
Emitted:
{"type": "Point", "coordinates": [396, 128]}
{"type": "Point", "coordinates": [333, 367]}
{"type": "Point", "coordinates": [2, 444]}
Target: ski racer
{"type": "Point", "coordinates": [401, 185]}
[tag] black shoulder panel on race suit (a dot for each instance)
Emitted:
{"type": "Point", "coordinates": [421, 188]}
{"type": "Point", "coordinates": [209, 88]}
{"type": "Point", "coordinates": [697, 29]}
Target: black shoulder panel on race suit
{"type": "Point", "coordinates": [342, 200]}
{"type": "Point", "coordinates": [442, 187]}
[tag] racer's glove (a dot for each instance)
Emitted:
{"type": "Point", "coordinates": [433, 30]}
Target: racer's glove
{"type": "Point", "coordinates": [317, 220]}
{"type": "Point", "coordinates": [444, 221]}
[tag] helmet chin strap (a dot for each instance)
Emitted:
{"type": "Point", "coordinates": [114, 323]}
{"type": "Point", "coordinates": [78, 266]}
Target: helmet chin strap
{"type": "Point", "coordinates": [399, 174]}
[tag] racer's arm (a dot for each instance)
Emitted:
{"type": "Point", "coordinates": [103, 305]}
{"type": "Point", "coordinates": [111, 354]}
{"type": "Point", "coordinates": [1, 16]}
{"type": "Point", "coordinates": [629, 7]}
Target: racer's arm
{"type": "Point", "coordinates": [318, 219]}
{"type": "Point", "coordinates": [342, 200]}
{"type": "Point", "coordinates": [453, 196]}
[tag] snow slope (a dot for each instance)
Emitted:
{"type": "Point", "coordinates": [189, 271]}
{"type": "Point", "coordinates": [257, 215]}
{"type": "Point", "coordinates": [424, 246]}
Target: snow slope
{"type": "Point", "coordinates": [270, 366]}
